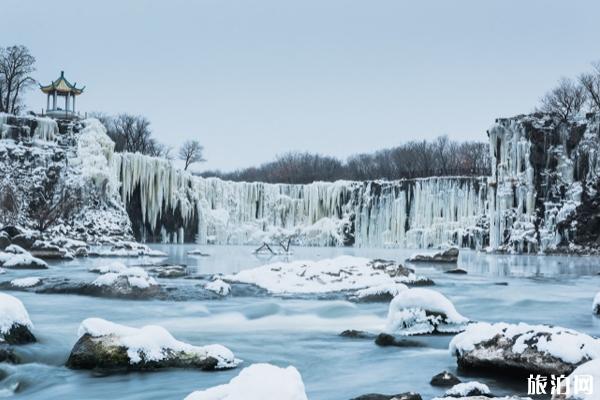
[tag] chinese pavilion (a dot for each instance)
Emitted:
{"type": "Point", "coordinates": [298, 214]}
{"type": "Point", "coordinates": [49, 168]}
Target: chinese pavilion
{"type": "Point", "coordinates": [61, 87]}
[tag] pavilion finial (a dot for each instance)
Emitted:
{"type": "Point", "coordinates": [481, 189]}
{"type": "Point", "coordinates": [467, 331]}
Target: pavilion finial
{"type": "Point", "coordinates": [62, 74]}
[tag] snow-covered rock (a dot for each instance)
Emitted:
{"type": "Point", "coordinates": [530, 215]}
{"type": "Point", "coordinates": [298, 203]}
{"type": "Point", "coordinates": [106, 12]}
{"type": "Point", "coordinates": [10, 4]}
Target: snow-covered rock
{"type": "Point", "coordinates": [15, 325]}
{"type": "Point", "coordinates": [445, 256]}
{"type": "Point", "coordinates": [104, 268]}
{"type": "Point", "coordinates": [384, 292]}
{"type": "Point", "coordinates": [444, 379]}
{"type": "Point", "coordinates": [344, 273]}
{"type": "Point", "coordinates": [523, 348]}
{"type": "Point", "coordinates": [399, 396]}
{"type": "Point", "coordinates": [596, 304]}
{"type": "Point", "coordinates": [589, 369]}
{"type": "Point", "coordinates": [26, 282]}
{"type": "Point", "coordinates": [131, 282]}
{"type": "Point", "coordinates": [22, 261]}
{"type": "Point", "coordinates": [258, 382]}
{"type": "Point", "coordinates": [219, 287]}
{"type": "Point", "coordinates": [169, 270]}
{"type": "Point", "coordinates": [109, 346]}
{"type": "Point", "coordinates": [198, 252]}
{"type": "Point", "coordinates": [422, 311]}
{"type": "Point", "coordinates": [468, 389]}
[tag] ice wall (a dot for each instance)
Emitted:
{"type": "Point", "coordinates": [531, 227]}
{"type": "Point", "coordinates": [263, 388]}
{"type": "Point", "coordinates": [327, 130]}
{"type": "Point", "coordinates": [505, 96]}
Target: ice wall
{"type": "Point", "coordinates": [176, 206]}
{"type": "Point", "coordinates": [541, 166]}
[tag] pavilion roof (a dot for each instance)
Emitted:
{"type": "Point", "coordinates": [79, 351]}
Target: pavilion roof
{"type": "Point", "coordinates": [62, 85]}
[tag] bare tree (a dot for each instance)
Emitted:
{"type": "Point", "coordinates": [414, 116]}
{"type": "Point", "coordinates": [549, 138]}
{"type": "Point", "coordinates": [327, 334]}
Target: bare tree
{"type": "Point", "coordinates": [16, 66]}
{"type": "Point", "coordinates": [565, 100]}
{"type": "Point", "coordinates": [591, 84]}
{"type": "Point", "coordinates": [191, 152]}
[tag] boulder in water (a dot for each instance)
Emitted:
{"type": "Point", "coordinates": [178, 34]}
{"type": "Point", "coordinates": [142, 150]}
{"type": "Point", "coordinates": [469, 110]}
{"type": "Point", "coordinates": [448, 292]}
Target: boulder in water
{"type": "Point", "coordinates": [355, 334]}
{"type": "Point", "coordinates": [596, 304]}
{"type": "Point", "coordinates": [107, 346]}
{"type": "Point", "coordinates": [445, 256]}
{"type": "Point", "coordinates": [468, 389]}
{"type": "Point", "coordinates": [444, 379]}
{"type": "Point", "coordinates": [523, 349]}
{"type": "Point", "coordinates": [15, 325]}
{"type": "Point", "coordinates": [422, 311]}
{"type": "Point", "coordinates": [384, 340]}
{"type": "Point", "coordinates": [132, 282]}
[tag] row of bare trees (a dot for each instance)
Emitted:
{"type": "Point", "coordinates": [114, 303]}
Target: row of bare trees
{"type": "Point", "coordinates": [441, 157]}
{"type": "Point", "coordinates": [16, 67]}
{"type": "Point", "coordinates": [570, 97]}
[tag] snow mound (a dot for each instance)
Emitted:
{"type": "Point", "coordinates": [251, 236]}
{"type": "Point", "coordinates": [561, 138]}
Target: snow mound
{"type": "Point", "coordinates": [421, 311]}
{"type": "Point", "coordinates": [219, 287]}
{"type": "Point", "coordinates": [258, 382]}
{"type": "Point", "coordinates": [152, 342]}
{"type": "Point", "coordinates": [344, 273]}
{"type": "Point", "coordinates": [468, 389]}
{"type": "Point", "coordinates": [24, 261]}
{"type": "Point", "coordinates": [136, 276]}
{"type": "Point", "coordinates": [590, 368]}
{"type": "Point", "coordinates": [567, 345]}
{"type": "Point", "coordinates": [115, 266]}
{"type": "Point", "coordinates": [12, 312]}
{"type": "Point", "coordinates": [379, 291]}
{"type": "Point", "coordinates": [26, 282]}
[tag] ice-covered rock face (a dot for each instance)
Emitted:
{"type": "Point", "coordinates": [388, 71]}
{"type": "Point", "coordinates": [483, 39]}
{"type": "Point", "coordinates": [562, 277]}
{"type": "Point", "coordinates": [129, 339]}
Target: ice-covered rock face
{"type": "Point", "coordinates": [542, 169]}
{"type": "Point", "coordinates": [106, 345]}
{"type": "Point", "coordinates": [422, 311]}
{"type": "Point", "coordinates": [170, 205]}
{"type": "Point", "coordinates": [258, 382]}
{"type": "Point", "coordinates": [523, 348]}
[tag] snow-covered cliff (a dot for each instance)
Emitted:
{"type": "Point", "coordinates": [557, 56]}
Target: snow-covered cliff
{"type": "Point", "coordinates": [542, 171]}
{"type": "Point", "coordinates": [542, 194]}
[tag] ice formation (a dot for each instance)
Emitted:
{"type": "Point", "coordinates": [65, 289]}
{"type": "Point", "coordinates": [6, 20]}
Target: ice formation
{"type": "Point", "coordinates": [419, 311]}
{"type": "Point", "coordinates": [152, 342]}
{"type": "Point", "coordinates": [12, 312]}
{"type": "Point", "coordinates": [258, 382]}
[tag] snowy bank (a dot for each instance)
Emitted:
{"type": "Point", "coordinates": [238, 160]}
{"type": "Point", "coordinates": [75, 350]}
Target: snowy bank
{"type": "Point", "coordinates": [15, 325]}
{"type": "Point", "coordinates": [344, 273]}
{"type": "Point", "coordinates": [421, 311]}
{"type": "Point", "coordinates": [523, 348]}
{"type": "Point", "coordinates": [258, 382]}
{"type": "Point", "coordinates": [106, 345]}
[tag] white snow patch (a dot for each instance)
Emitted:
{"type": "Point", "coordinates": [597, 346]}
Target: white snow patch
{"type": "Point", "coordinates": [407, 313]}
{"type": "Point", "coordinates": [115, 266]}
{"type": "Point", "coordinates": [219, 287]}
{"type": "Point", "coordinates": [463, 389]}
{"type": "Point", "coordinates": [342, 273]}
{"type": "Point", "coordinates": [23, 260]}
{"type": "Point", "coordinates": [136, 276]}
{"type": "Point", "coordinates": [258, 382]}
{"type": "Point", "coordinates": [378, 290]}
{"type": "Point", "coordinates": [153, 342]}
{"type": "Point", "coordinates": [590, 368]}
{"type": "Point", "coordinates": [26, 282]}
{"type": "Point", "coordinates": [12, 311]}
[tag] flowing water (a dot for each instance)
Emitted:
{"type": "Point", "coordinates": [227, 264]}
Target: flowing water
{"type": "Point", "coordinates": [301, 332]}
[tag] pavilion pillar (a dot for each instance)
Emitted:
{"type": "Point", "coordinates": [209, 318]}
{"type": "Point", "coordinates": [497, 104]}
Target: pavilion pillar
{"type": "Point", "coordinates": [47, 102]}
{"type": "Point", "coordinates": [54, 101]}
{"type": "Point", "coordinates": [67, 103]}
{"type": "Point", "coordinates": [74, 97]}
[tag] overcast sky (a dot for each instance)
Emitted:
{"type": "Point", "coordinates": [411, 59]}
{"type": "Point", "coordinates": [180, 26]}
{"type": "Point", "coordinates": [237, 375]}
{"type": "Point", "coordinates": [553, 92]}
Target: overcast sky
{"type": "Point", "coordinates": [252, 79]}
